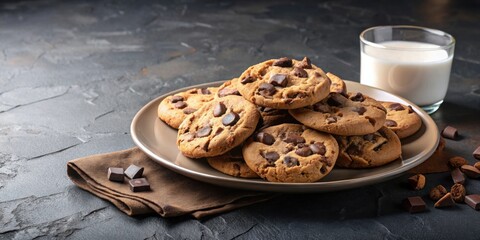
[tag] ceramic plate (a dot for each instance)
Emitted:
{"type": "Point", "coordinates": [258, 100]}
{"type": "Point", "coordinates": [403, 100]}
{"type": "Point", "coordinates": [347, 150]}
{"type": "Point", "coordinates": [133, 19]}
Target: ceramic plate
{"type": "Point", "coordinates": [158, 140]}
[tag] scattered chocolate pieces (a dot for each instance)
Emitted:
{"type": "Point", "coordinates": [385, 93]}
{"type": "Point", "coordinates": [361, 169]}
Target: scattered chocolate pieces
{"type": "Point", "coordinates": [134, 171]}
{"type": "Point", "coordinates": [437, 192]}
{"type": "Point", "coordinates": [230, 119]}
{"type": "Point", "coordinates": [470, 171]}
{"type": "Point", "coordinates": [265, 138]}
{"type": "Point", "coordinates": [458, 192]}
{"type": "Point", "coordinates": [283, 62]}
{"type": "Point", "coordinates": [417, 181]}
{"type": "Point", "coordinates": [476, 153]}
{"type": "Point", "coordinates": [445, 201]}
{"type": "Point", "coordinates": [139, 185]}
{"type": "Point", "coordinates": [115, 174]}
{"type": "Point", "coordinates": [450, 133]}
{"type": "Point", "coordinates": [414, 204]}
{"type": "Point", "coordinates": [473, 201]}
{"type": "Point", "coordinates": [457, 176]}
{"type": "Point", "coordinates": [219, 110]}
{"type": "Point", "coordinates": [457, 161]}
{"type": "Point", "coordinates": [279, 80]}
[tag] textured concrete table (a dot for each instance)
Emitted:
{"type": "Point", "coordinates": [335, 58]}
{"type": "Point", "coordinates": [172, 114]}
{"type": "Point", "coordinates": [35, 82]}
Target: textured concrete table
{"type": "Point", "coordinates": [72, 76]}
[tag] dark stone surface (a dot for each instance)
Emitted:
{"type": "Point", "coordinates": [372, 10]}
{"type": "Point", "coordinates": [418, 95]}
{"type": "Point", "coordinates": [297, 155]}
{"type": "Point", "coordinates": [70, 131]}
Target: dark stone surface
{"type": "Point", "coordinates": [73, 74]}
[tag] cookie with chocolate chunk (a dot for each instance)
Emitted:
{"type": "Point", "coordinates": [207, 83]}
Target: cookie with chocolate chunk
{"type": "Point", "coordinates": [284, 83]}
{"type": "Point", "coordinates": [232, 163]}
{"type": "Point", "coordinates": [228, 88]}
{"type": "Point", "coordinates": [350, 114]}
{"type": "Point", "coordinates": [291, 153]}
{"type": "Point", "coordinates": [401, 119]}
{"type": "Point", "coordinates": [173, 109]}
{"type": "Point", "coordinates": [370, 150]}
{"type": "Point", "coordinates": [337, 85]}
{"type": "Point", "coordinates": [217, 127]}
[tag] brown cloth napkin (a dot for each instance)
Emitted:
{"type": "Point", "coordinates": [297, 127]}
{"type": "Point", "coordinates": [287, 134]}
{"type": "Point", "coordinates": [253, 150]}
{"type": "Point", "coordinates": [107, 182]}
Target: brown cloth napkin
{"type": "Point", "coordinates": [437, 163]}
{"type": "Point", "coordinates": [172, 194]}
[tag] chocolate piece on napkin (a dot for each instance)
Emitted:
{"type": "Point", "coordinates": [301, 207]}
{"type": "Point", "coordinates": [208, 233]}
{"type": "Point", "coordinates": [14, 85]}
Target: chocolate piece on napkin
{"type": "Point", "coordinates": [171, 194]}
{"type": "Point", "coordinates": [436, 163]}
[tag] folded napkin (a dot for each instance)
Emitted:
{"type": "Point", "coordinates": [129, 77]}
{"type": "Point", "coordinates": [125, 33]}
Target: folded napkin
{"type": "Point", "coordinates": [172, 194]}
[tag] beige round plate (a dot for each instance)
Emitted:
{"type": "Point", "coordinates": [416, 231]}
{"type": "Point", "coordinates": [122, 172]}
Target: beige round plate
{"type": "Point", "coordinates": [157, 140]}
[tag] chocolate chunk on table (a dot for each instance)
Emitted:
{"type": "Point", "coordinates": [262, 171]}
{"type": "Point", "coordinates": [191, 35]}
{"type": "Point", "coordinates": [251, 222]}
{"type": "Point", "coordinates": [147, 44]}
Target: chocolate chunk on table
{"type": "Point", "coordinates": [450, 133]}
{"type": "Point", "coordinates": [139, 185]}
{"type": "Point", "coordinates": [414, 204]}
{"type": "Point", "coordinates": [134, 171]}
{"type": "Point", "coordinates": [457, 176]}
{"type": "Point", "coordinates": [473, 201]}
{"type": "Point", "coordinates": [115, 174]}
{"type": "Point", "coordinates": [476, 153]}
{"type": "Point", "coordinates": [470, 171]}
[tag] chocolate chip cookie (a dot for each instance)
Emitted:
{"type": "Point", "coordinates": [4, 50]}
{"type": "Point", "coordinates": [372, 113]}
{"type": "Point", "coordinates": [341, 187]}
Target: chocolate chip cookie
{"type": "Point", "coordinates": [232, 163]}
{"type": "Point", "coordinates": [337, 85]}
{"type": "Point", "coordinates": [284, 83]}
{"type": "Point", "coordinates": [350, 114]}
{"type": "Point", "coordinates": [173, 109]}
{"type": "Point", "coordinates": [370, 150]}
{"type": "Point", "coordinates": [401, 119]}
{"type": "Point", "coordinates": [270, 117]}
{"type": "Point", "coordinates": [291, 153]}
{"type": "Point", "coordinates": [217, 127]}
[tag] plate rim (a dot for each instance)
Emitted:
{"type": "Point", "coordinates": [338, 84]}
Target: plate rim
{"type": "Point", "coordinates": [278, 186]}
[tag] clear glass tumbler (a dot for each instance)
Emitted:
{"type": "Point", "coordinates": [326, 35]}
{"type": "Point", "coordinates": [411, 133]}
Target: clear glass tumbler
{"type": "Point", "coordinates": [412, 62]}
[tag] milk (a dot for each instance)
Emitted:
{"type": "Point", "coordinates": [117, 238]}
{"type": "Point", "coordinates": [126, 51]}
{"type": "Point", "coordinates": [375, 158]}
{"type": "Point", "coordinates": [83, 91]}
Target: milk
{"type": "Point", "coordinates": [418, 75]}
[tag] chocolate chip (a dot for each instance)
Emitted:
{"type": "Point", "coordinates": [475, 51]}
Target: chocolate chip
{"type": "Point", "coordinates": [299, 72]}
{"type": "Point", "coordinates": [266, 89]}
{"type": "Point", "coordinates": [139, 185]}
{"type": "Point", "coordinates": [470, 171]}
{"type": "Point", "coordinates": [228, 91]}
{"type": "Point", "coordinates": [410, 109]}
{"type": "Point", "coordinates": [271, 157]}
{"type": "Point", "coordinates": [294, 138]}
{"type": "Point", "coordinates": [457, 176]}
{"type": "Point", "coordinates": [279, 80]}
{"type": "Point", "coordinates": [290, 161]}
{"type": "Point", "coordinates": [473, 201]}
{"type": "Point", "coordinates": [414, 204]}
{"type": "Point", "coordinates": [203, 132]}
{"type": "Point", "coordinates": [318, 148]}
{"type": "Point", "coordinates": [450, 133]}
{"type": "Point", "coordinates": [396, 107]}
{"type": "Point", "coordinates": [265, 138]}
{"type": "Point", "coordinates": [304, 151]}
{"type": "Point", "coordinates": [320, 107]}
{"type": "Point", "coordinates": [358, 97]}
{"type": "Point", "coordinates": [476, 153]}
{"type": "Point", "coordinates": [176, 99]}
{"type": "Point", "coordinates": [359, 110]}
{"type": "Point", "coordinates": [180, 104]}
{"type": "Point", "coordinates": [445, 201]}
{"type": "Point", "coordinates": [230, 119]}
{"type": "Point", "coordinates": [134, 171]}
{"type": "Point", "coordinates": [305, 63]}
{"type": "Point", "coordinates": [331, 119]}
{"type": "Point", "coordinates": [219, 109]}
{"type": "Point", "coordinates": [283, 62]}
{"type": "Point", "coordinates": [354, 150]}
{"type": "Point", "coordinates": [189, 110]}
{"type": "Point", "coordinates": [333, 102]}
{"type": "Point", "coordinates": [390, 123]}
{"type": "Point", "coordinates": [115, 174]}
{"type": "Point", "coordinates": [205, 91]}
{"type": "Point", "coordinates": [247, 79]}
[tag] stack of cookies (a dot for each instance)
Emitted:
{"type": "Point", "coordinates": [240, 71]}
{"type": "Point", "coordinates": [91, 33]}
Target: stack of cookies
{"type": "Point", "coordinates": [285, 120]}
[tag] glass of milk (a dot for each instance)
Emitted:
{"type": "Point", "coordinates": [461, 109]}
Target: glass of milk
{"type": "Point", "coordinates": [412, 62]}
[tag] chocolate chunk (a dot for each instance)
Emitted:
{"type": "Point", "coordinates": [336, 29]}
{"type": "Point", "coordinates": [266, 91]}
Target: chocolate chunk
{"type": "Point", "coordinates": [283, 62]}
{"type": "Point", "coordinates": [290, 161]}
{"type": "Point", "coordinates": [265, 138]}
{"type": "Point", "coordinates": [477, 165]}
{"type": "Point", "coordinates": [139, 185]}
{"type": "Point", "coordinates": [205, 91]}
{"type": "Point", "coordinates": [396, 107]}
{"type": "Point", "coordinates": [203, 132]}
{"type": "Point", "coordinates": [299, 72]}
{"type": "Point", "coordinates": [134, 171]}
{"type": "Point", "coordinates": [331, 119]}
{"type": "Point", "coordinates": [177, 99]}
{"type": "Point", "coordinates": [437, 192]}
{"type": "Point", "coordinates": [476, 153]}
{"type": "Point", "coordinates": [457, 176]}
{"type": "Point", "coordinates": [450, 133]}
{"type": "Point", "coordinates": [445, 201]}
{"type": "Point", "coordinates": [417, 182]}
{"type": "Point", "coordinates": [318, 148]}
{"type": "Point", "coordinates": [473, 201]}
{"type": "Point", "coordinates": [390, 123]}
{"type": "Point", "coordinates": [115, 174]}
{"type": "Point", "coordinates": [359, 110]}
{"type": "Point", "coordinates": [266, 89]}
{"type": "Point", "coordinates": [230, 119]}
{"type": "Point", "coordinates": [219, 109]}
{"type": "Point", "coordinates": [247, 79]}
{"type": "Point", "coordinates": [305, 63]}
{"type": "Point", "coordinates": [294, 138]}
{"type": "Point", "coordinates": [470, 171]}
{"type": "Point", "coordinates": [304, 151]}
{"type": "Point", "coordinates": [358, 97]}
{"type": "Point", "coordinates": [414, 204]}
{"type": "Point", "coordinates": [228, 91]}
{"type": "Point", "coordinates": [354, 150]}
{"type": "Point", "coordinates": [320, 107]}
{"type": "Point", "coordinates": [458, 192]}
{"type": "Point", "coordinates": [271, 157]}
{"type": "Point", "coordinates": [180, 104]}
{"type": "Point", "coordinates": [189, 110]}
{"type": "Point", "coordinates": [410, 109]}
{"type": "Point", "coordinates": [279, 80]}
